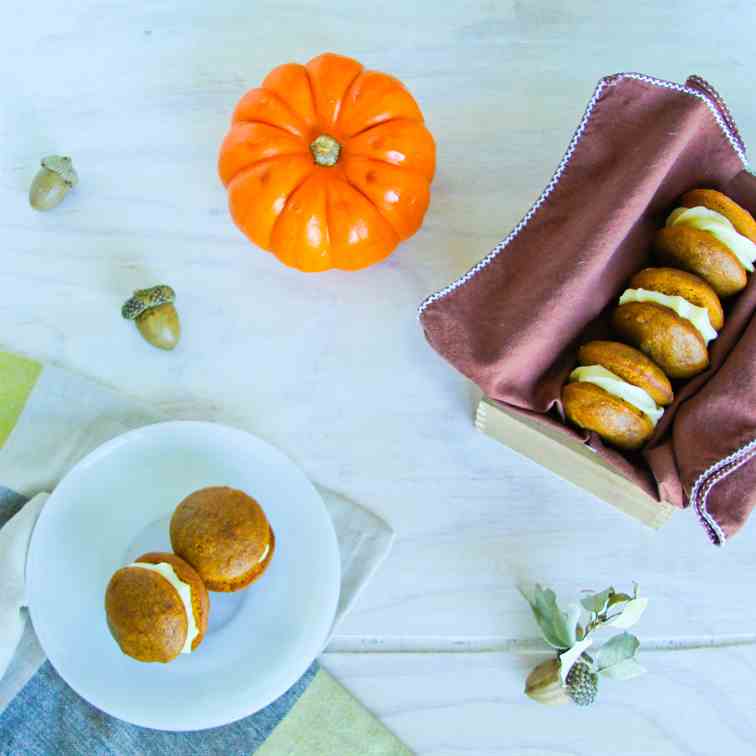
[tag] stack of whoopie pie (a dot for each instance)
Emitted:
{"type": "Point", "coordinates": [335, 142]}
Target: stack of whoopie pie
{"type": "Point", "coordinates": [157, 607]}
{"type": "Point", "coordinates": [668, 316]}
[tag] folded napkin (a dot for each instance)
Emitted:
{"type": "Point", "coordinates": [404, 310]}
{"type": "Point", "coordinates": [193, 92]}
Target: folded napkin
{"type": "Point", "coordinates": [49, 419]}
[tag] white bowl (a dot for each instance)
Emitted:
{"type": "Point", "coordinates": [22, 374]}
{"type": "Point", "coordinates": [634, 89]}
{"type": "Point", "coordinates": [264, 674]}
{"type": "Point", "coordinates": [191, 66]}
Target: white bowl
{"type": "Point", "coordinates": [116, 504]}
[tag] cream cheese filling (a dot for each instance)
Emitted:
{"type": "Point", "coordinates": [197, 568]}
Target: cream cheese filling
{"type": "Point", "coordinates": [698, 316]}
{"type": "Point", "coordinates": [185, 594]}
{"type": "Point", "coordinates": [719, 226]}
{"type": "Point", "coordinates": [265, 553]}
{"type": "Point", "coordinates": [613, 384]}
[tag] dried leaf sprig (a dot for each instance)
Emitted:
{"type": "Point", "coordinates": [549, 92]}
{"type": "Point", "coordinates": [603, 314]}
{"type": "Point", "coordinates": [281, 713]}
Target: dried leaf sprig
{"type": "Point", "coordinates": [573, 675]}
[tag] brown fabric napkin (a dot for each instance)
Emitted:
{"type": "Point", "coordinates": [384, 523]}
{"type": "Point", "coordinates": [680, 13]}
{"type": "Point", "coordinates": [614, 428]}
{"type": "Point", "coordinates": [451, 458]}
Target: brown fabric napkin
{"type": "Point", "coordinates": [513, 322]}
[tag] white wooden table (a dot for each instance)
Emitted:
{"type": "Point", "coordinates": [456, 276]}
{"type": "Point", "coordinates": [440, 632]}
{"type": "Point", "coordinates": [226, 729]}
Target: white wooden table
{"type": "Point", "coordinates": [334, 369]}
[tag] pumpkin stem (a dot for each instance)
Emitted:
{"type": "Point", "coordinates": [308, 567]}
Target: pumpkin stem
{"type": "Point", "coordinates": [325, 150]}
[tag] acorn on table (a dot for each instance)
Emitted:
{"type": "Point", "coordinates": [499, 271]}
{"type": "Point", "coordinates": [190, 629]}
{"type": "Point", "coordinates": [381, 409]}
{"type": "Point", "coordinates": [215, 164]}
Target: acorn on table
{"type": "Point", "coordinates": [155, 315]}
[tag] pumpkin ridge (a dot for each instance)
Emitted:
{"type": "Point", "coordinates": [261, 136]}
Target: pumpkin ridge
{"type": "Point", "coordinates": [344, 96]}
{"type": "Point", "coordinates": [242, 171]}
{"type": "Point", "coordinates": [243, 203]}
{"type": "Point", "coordinates": [325, 73]}
{"type": "Point", "coordinates": [294, 116]}
{"type": "Point", "coordinates": [391, 119]}
{"type": "Point", "coordinates": [272, 125]}
{"type": "Point", "coordinates": [328, 217]}
{"type": "Point", "coordinates": [378, 209]}
{"type": "Point", "coordinates": [361, 156]}
{"type": "Point", "coordinates": [286, 204]}
{"type": "Point", "coordinates": [255, 163]}
{"type": "Point", "coordinates": [309, 115]}
{"type": "Point", "coordinates": [301, 265]}
{"type": "Point", "coordinates": [312, 93]}
{"type": "Point", "coordinates": [395, 87]}
{"type": "Point", "coordinates": [390, 227]}
{"type": "Point", "coordinates": [301, 252]}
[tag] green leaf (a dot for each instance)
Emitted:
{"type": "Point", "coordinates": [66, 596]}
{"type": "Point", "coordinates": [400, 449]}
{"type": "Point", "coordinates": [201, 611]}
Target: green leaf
{"type": "Point", "coordinates": [568, 658]}
{"type": "Point", "coordinates": [574, 612]}
{"type": "Point", "coordinates": [630, 614]}
{"type": "Point", "coordinates": [552, 622]}
{"type": "Point", "coordinates": [618, 598]}
{"type": "Point", "coordinates": [616, 650]}
{"type": "Point", "coordinates": [624, 670]}
{"type": "Point", "coordinates": [527, 591]}
{"type": "Point", "coordinates": [597, 602]}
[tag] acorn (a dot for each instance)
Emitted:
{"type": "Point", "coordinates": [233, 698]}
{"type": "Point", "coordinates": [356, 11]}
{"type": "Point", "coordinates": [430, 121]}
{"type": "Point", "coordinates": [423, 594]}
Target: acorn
{"type": "Point", "coordinates": [544, 684]}
{"type": "Point", "coordinates": [52, 182]}
{"type": "Point", "coordinates": [155, 315]}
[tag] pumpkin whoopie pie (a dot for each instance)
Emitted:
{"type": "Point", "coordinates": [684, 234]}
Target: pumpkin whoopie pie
{"type": "Point", "coordinates": [675, 282]}
{"type": "Point", "coordinates": [157, 608]}
{"type": "Point", "coordinates": [712, 236]}
{"type": "Point", "coordinates": [224, 534]}
{"type": "Point", "coordinates": [743, 222]}
{"type": "Point", "coordinates": [670, 315]}
{"type": "Point", "coordinates": [617, 392]}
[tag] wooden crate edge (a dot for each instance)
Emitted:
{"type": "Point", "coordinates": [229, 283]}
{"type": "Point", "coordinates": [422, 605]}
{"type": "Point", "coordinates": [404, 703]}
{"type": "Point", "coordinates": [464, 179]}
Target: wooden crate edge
{"type": "Point", "coordinates": [571, 461]}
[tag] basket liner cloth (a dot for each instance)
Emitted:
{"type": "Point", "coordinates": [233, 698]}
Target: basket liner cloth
{"type": "Point", "coordinates": [512, 324]}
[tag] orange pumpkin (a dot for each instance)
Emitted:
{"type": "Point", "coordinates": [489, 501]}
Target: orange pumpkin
{"type": "Point", "coordinates": [328, 165]}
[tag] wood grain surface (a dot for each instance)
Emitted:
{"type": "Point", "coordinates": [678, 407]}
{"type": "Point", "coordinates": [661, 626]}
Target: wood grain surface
{"type": "Point", "coordinates": [334, 369]}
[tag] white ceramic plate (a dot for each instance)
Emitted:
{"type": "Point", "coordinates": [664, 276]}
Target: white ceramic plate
{"type": "Point", "coordinates": [116, 504]}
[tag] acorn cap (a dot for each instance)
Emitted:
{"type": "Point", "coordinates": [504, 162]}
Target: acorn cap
{"type": "Point", "coordinates": [63, 166]}
{"type": "Point", "coordinates": [145, 299]}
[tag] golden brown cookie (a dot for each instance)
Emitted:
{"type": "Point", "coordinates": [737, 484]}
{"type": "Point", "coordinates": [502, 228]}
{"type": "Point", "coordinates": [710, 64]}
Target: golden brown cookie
{"type": "Point", "coordinates": [187, 574]}
{"type": "Point", "coordinates": [670, 341]}
{"type": "Point", "coordinates": [630, 365]}
{"type": "Point", "coordinates": [681, 284]}
{"type": "Point", "coordinates": [615, 420]}
{"type": "Point", "coordinates": [145, 613]}
{"type": "Point", "coordinates": [701, 253]}
{"type": "Point", "coordinates": [713, 200]}
{"type": "Point", "coordinates": [224, 534]}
